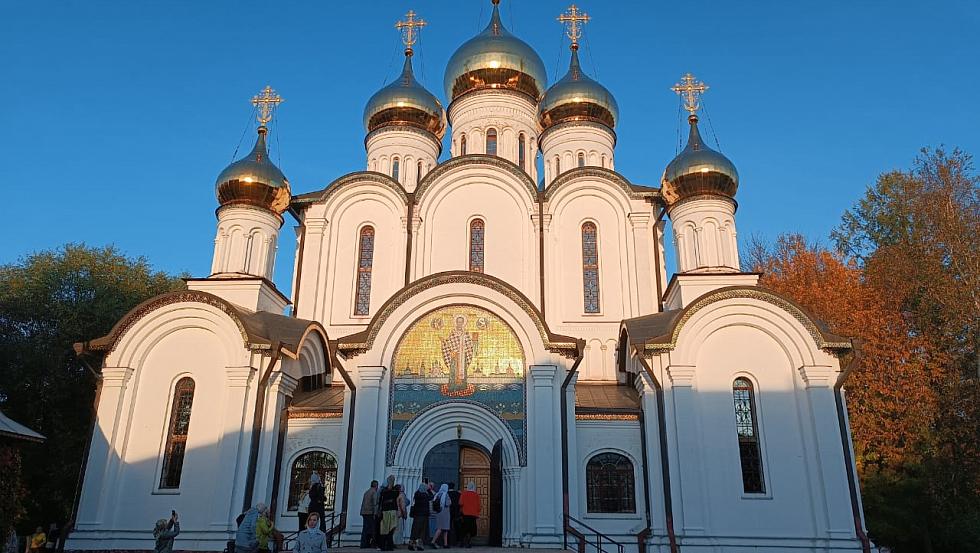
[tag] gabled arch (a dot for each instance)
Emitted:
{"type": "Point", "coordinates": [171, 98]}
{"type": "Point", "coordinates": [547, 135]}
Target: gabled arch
{"type": "Point", "coordinates": [449, 165]}
{"type": "Point", "coordinates": [574, 174]}
{"type": "Point", "coordinates": [360, 177]}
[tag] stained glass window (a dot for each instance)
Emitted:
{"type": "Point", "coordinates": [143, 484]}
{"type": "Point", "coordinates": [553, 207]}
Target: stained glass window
{"type": "Point", "coordinates": [581, 159]}
{"type": "Point", "coordinates": [590, 267]}
{"type": "Point", "coordinates": [491, 142]}
{"type": "Point", "coordinates": [477, 236]}
{"type": "Point", "coordinates": [394, 168]}
{"type": "Point", "coordinates": [747, 429]}
{"type": "Point", "coordinates": [299, 480]}
{"type": "Point", "coordinates": [180, 422]}
{"type": "Point", "coordinates": [462, 144]}
{"type": "Point", "coordinates": [365, 260]}
{"type": "Point", "coordinates": [610, 485]}
{"type": "Point", "coordinates": [521, 150]}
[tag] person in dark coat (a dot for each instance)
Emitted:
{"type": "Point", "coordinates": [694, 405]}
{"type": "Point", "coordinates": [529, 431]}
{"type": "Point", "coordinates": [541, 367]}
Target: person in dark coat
{"type": "Point", "coordinates": [317, 500]}
{"type": "Point", "coordinates": [420, 518]}
{"type": "Point", "coordinates": [454, 516]}
{"type": "Point", "coordinates": [164, 533]}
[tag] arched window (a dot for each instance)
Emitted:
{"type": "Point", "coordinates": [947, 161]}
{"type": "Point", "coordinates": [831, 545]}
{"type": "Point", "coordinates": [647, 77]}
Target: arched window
{"type": "Point", "coordinates": [581, 159]}
{"type": "Point", "coordinates": [418, 174]}
{"type": "Point", "coordinates": [491, 142]}
{"type": "Point", "coordinates": [394, 168]}
{"type": "Point", "coordinates": [603, 160]}
{"type": "Point", "coordinates": [477, 236]}
{"type": "Point", "coordinates": [365, 261]}
{"type": "Point", "coordinates": [180, 423]}
{"type": "Point", "coordinates": [590, 267]}
{"type": "Point", "coordinates": [609, 484]}
{"type": "Point", "coordinates": [462, 144]}
{"type": "Point", "coordinates": [521, 150]}
{"type": "Point", "coordinates": [299, 480]}
{"type": "Point", "coordinates": [557, 165]}
{"type": "Point", "coordinates": [747, 429]}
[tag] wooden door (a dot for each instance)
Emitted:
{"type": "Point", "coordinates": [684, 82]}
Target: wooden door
{"type": "Point", "coordinates": [474, 466]}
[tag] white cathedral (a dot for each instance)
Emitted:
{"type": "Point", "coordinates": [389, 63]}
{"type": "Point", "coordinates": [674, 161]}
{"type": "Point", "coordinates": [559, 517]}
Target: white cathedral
{"type": "Point", "coordinates": [459, 316]}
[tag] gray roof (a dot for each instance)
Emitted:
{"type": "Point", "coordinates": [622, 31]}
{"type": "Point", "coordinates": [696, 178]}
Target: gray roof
{"type": "Point", "coordinates": [10, 428]}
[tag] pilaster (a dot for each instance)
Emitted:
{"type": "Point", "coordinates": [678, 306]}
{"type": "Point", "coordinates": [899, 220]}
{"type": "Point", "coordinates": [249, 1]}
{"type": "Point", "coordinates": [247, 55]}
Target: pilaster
{"type": "Point", "coordinates": [545, 447]}
{"type": "Point", "coordinates": [687, 436]}
{"type": "Point", "coordinates": [231, 453]}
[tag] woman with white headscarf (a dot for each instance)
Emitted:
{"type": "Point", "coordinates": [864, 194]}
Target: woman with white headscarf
{"type": "Point", "coordinates": [441, 504]}
{"type": "Point", "coordinates": [317, 499]}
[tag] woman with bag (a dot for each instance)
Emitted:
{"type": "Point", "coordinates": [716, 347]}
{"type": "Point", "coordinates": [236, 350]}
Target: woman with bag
{"type": "Point", "coordinates": [441, 504]}
{"type": "Point", "coordinates": [420, 518]}
{"type": "Point", "coordinates": [304, 510]}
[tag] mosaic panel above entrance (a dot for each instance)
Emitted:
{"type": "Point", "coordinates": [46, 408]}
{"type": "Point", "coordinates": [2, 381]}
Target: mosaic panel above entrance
{"type": "Point", "coordinates": [463, 354]}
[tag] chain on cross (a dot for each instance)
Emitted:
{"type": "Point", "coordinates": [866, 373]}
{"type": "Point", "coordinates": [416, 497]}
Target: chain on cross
{"type": "Point", "coordinates": [690, 90]}
{"type": "Point", "coordinates": [573, 19]}
{"type": "Point", "coordinates": [266, 102]}
{"type": "Point", "coordinates": [410, 29]}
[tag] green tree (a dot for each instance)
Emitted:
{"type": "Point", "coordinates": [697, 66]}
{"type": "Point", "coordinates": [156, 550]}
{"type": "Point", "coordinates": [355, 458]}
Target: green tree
{"type": "Point", "coordinates": [49, 301]}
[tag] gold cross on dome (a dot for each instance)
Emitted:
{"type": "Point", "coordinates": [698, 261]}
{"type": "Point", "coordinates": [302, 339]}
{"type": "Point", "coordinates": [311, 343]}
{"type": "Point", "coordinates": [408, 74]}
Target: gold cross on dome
{"type": "Point", "coordinates": [690, 90]}
{"type": "Point", "coordinates": [573, 19]}
{"type": "Point", "coordinates": [266, 102]}
{"type": "Point", "coordinates": [410, 29]}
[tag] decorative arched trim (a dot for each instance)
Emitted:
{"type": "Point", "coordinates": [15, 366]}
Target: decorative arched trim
{"type": "Point", "coordinates": [579, 123]}
{"type": "Point", "coordinates": [589, 171]}
{"type": "Point", "coordinates": [321, 196]}
{"type": "Point", "coordinates": [475, 159]}
{"type": "Point", "coordinates": [361, 342]}
{"type": "Point", "coordinates": [405, 128]}
{"type": "Point", "coordinates": [824, 340]}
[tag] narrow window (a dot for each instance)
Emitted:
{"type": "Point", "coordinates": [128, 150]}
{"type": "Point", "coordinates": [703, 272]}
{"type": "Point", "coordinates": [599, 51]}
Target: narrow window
{"type": "Point", "coordinates": [180, 422]}
{"type": "Point", "coordinates": [610, 485]}
{"type": "Point", "coordinates": [325, 466]}
{"type": "Point", "coordinates": [365, 260]}
{"type": "Point", "coordinates": [394, 168]}
{"type": "Point", "coordinates": [462, 144]}
{"type": "Point", "coordinates": [581, 159]}
{"type": "Point", "coordinates": [491, 142]}
{"type": "Point", "coordinates": [603, 160]}
{"type": "Point", "coordinates": [747, 428]}
{"type": "Point", "coordinates": [557, 166]}
{"type": "Point", "coordinates": [590, 267]}
{"type": "Point", "coordinates": [418, 175]}
{"type": "Point", "coordinates": [521, 147]}
{"type": "Point", "coordinates": [477, 235]}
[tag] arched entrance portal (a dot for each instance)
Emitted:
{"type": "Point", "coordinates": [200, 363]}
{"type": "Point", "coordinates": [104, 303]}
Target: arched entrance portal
{"type": "Point", "coordinates": [460, 462]}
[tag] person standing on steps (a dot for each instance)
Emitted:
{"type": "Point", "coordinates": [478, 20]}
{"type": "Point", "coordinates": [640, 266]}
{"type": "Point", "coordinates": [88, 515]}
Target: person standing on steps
{"type": "Point", "coordinates": [368, 506]}
{"type": "Point", "coordinates": [441, 505]}
{"type": "Point", "coordinates": [317, 500]}
{"type": "Point", "coordinates": [454, 520]}
{"type": "Point", "coordinates": [421, 505]}
{"type": "Point", "coordinates": [469, 507]}
{"type": "Point", "coordinates": [304, 510]}
{"type": "Point", "coordinates": [312, 539]}
{"type": "Point", "coordinates": [388, 505]}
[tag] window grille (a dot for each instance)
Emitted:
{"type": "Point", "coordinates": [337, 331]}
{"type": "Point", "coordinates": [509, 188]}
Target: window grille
{"type": "Point", "coordinates": [180, 422]}
{"type": "Point", "coordinates": [747, 429]}
{"type": "Point", "coordinates": [365, 261]}
{"type": "Point", "coordinates": [477, 237]}
{"type": "Point", "coordinates": [299, 481]}
{"type": "Point", "coordinates": [590, 267]}
{"type": "Point", "coordinates": [610, 484]}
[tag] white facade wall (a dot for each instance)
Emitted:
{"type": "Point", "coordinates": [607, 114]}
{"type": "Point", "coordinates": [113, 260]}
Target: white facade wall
{"type": "Point", "coordinates": [417, 153]}
{"type": "Point", "coordinates": [511, 114]}
{"type": "Point", "coordinates": [246, 241]}
{"type": "Point", "coordinates": [704, 235]}
{"type": "Point", "coordinates": [304, 435]}
{"type": "Point", "coordinates": [564, 144]}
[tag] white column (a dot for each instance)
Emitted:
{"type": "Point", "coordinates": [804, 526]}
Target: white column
{"type": "Point", "coordinates": [574, 483]}
{"type": "Point", "coordinates": [544, 455]}
{"type": "Point", "coordinates": [512, 506]}
{"type": "Point", "coordinates": [281, 387]}
{"type": "Point", "coordinates": [232, 454]}
{"type": "Point", "coordinates": [368, 452]}
{"type": "Point", "coordinates": [687, 434]}
{"type": "Point", "coordinates": [103, 455]}
{"type": "Point", "coordinates": [644, 278]}
{"type": "Point", "coordinates": [651, 417]}
{"type": "Point", "coordinates": [833, 488]}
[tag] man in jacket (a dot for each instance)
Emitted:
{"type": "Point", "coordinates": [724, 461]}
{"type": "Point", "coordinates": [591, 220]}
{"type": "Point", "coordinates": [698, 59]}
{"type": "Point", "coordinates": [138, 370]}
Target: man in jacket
{"type": "Point", "coordinates": [369, 505]}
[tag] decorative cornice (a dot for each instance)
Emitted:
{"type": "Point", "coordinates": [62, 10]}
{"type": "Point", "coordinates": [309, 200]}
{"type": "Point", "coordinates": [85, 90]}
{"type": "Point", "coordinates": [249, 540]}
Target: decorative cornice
{"type": "Point", "coordinates": [602, 173]}
{"type": "Point", "coordinates": [243, 205]}
{"type": "Point", "coordinates": [474, 159]}
{"type": "Point", "coordinates": [606, 417]}
{"type": "Point", "coordinates": [828, 343]}
{"type": "Point", "coordinates": [596, 124]}
{"type": "Point", "coordinates": [454, 104]}
{"type": "Point", "coordinates": [361, 342]}
{"type": "Point", "coordinates": [405, 128]}
{"type": "Point", "coordinates": [315, 414]}
{"type": "Point", "coordinates": [351, 178]}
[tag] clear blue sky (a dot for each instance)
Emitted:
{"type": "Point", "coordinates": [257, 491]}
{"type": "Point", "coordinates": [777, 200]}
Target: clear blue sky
{"type": "Point", "coordinates": [119, 115]}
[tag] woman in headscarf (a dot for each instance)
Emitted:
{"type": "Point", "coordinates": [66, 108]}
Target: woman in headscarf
{"type": "Point", "coordinates": [388, 505]}
{"type": "Point", "coordinates": [311, 540]}
{"type": "Point", "coordinates": [164, 533]}
{"type": "Point", "coordinates": [421, 505]}
{"type": "Point", "coordinates": [317, 499]}
{"type": "Point", "coordinates": [441, 504]}
{"type": "Point", "coordinates": [469, 507]}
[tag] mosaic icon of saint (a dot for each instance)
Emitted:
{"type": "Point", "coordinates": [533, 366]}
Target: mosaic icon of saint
{"type": "Point", "coordinates": [457, 353]}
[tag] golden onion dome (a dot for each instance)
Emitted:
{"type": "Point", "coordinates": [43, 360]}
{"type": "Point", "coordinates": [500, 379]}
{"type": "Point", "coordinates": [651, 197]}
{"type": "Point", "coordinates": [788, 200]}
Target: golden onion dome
{"type": "Point", "coordinates": [697, 171]}
{"type": "Point", "coordinates": [254, 180]}
{"type": "Point", "coordinates": [495, 59]}
{"type": "Point", "coordinates": [576, 97]}
{"type": "Point", "coordinates": [405, 102]}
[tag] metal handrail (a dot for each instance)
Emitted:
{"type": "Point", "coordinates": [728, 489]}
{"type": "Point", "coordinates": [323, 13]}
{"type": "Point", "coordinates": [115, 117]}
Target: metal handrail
{"type": "Point", "coordinates": [334, 526]}
{"type": "Point", "coordinates": [582, 539]}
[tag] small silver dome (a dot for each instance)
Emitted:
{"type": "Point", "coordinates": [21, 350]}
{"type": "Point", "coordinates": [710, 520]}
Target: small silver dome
{"type": "Point", "coordinates": [405, 102]}
{"type": "Point", "coordinates": [495, 59]}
